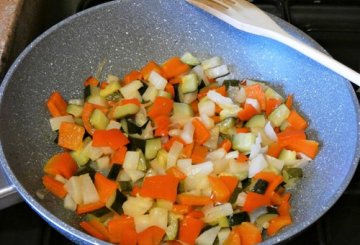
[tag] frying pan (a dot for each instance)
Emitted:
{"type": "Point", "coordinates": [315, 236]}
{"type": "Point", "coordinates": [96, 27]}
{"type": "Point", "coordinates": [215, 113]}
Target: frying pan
{"type": "Point", "coordinates": [128, 34]}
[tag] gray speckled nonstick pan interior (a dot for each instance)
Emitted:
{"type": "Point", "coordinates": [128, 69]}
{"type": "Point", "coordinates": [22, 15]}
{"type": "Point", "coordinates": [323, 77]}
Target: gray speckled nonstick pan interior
{"type": "Point", "coordinates": [128, 34]}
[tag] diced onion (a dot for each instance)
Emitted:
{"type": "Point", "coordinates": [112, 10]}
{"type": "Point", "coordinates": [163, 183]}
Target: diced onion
{"type": "Point", "coordinates": [88, 190]}
{"type": "Point", "coordinates": [69, 203]}
{"type": "Point", "coordinates": [207, 121]}
{"type": "Point", "coordinates": [232, 155]}
{"type": "Point", "coordinates": [222, 101]}
{"type": "Point", "coordinates": [142, 222]}
{"type": "Point", "coordinates": [256, 213]}
{"type": "Point", "coordinates": [128, 90]}
{"type": "Point", "coordinates": [157, 80]}
{"type": "Point", "coordinates": [173, 154]}
{"type": "Point", "coordinates": [211, 62]}
{"type": "Point", "coordinates": [240, 200]}
{"type": "Point", "coordinates": [201, 168]}
{"type": "Point", "coordinates": [135, 206]}
{"type": "Point", "coordinates": [55, 122]}
{"type": "Point", "coordinates": [198, 70]}
{"type": "Point", "coordinates": [275, 163]}
{"type": "Point", "coordinates": [113, 125]}
{"type": "Point", "coordinates": [73, 187]}
{"type": "Point", "coordinates": [184, 165]}
{"type": "Point", "coordinates": [214, 213]}
{"type": "Point", "coordinates": [159, 217]}
{"type": "Point", "coordinates": [208, 236]}
{"type": "Point", "coordinates": [269, 131]}
{"type": "Point", "coordinates": [257, 164]}
{"type": "Point", "coordinates": [212, 143]}
{"type": "Point", "coordinates": [255, 148]}
{"type": "Point", "coordinates": [254, 103]}
{"type": "Point", "coordinates": [134, 174]}
{"type": "Point", "coordinates": [218, 71]}
{"type": "Point", "coordinates": [206, 107]}
{"type": "Point", "coordinates": [216, 155]}
{"type": "Point", "coordinates": [131, 160]}
{"type": "Point", "coordinates": [188, 132]}
{"type": "Point", "coordinates": [103, 163]}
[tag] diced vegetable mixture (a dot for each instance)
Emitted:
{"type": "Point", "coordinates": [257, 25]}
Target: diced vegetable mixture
{"type": "Point", "coordinates": [178, 153]}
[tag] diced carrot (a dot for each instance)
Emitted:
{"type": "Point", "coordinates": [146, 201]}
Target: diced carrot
{"type": "Point", "coordinates": [92, 230]}
{"type": "Point", "coordinates": [242, 158]}
{"type": "Point", "coordinates": [113, 138]}
{"type": "Point", "coordinates": [199, 154]}
{"type": "Point", "coordinates": [197, 214]}
{"type": "Point", "coordinates": [173, 243]}
{"type": "Point", "coordinates": [122, 230]}
{"type": "Point", "coordinates": [170, 89]}
{"type": "Point", "coordinates": [135, 190]}
{"type": "Point", "coordinates": [231, 182]}
{"type": "Point", "coordinates": [175, 80]}
{"type": "Point", "coordinates": [271, 104]}
{"type": "Point", "coordinates": [308, 147]}
{"type": "Point", "coordinates": [233, 239]}
{"type": "Point", "coordinates": [218, 109]}
{"type": "Point", "coordinates": [242, 130]}
{"type": "Point", "coordinates": [55, 187]}
{"type": "Point", "coordinates": [181, 209]}
{"type": "Point", "coordinates": [296, 120]}
{"type": "Point", "coordinates": [226, 145]}
{"type": "Point", "coordinates": [149, 67]}
{"type": "Point", "coordinates": [92, 81]}
{"type": "Point", "coordinates": [222, 90]}
{"type": "Point", "coordinates": [56, 105]}
{"type": "Point", "coordinates": [289, 101]}
{"type": "Point", "coordinates": [162, 124]}
{"type": "Point", "coordinates": [274, 149]}
{"type": "Point", "coordinates": [130, 101]}
{"type": "Point", "coordinates": [201, 134]}
{"type": "Point", "coordinates": [104, 187]}
{"type": "Point", "coordinates": [247, 112]}
{"type": "Point", "coordinates": [203, 92]}
{"type": "Point", "coordinates": [194, 200]}
{"type": "Point", "coordinates": [150, 236]}
{"type": "Point", "coordinates": [220, 191]}
{"type": "Point", "coordinates": [87, 208]}
{"type": "Point", "coordinates": [176, 172]}
{"type": "Point", "coordinates": [160, 186]}
{"type": "Point", "coordinates": [194, 106]}
{"type": "Point", "coordinates": [286, 137]}
{"type": "Point", "coordinates": [162, 106]}
{"type": "Point", "coordinates": [119, 156]}
{"type": "Point", "coordinates": [70, 135]}
{"type": "Point", "coordinates": [62, 164]}
{"type": "Point", "coordinates": [132, 76]}
{"type": "Point", "coordinates": [254, 200]}
{"type": "Point", "coordinates": [216, 119]}
{"type": "Point", "coordinates": [284, 209]}
{"type": "Point", "coordinates": [171, 141]}
{"type": "Point", "coordinates": [277, 223]}
{"type": "Point", "coordinates": [103, 85]}
{"type": "Point", "coordinates": [187, 150]}
{"type": "Point", "coordinates": [256, 92]}
{"type": "Point", "coordinates": [249, 233]}
{"type": "Point", "coordinates": [100, 227]}
{"type": "Point", "coordinates": [174, 67]}
{"type": "Point", "coordinates": [190, 229]}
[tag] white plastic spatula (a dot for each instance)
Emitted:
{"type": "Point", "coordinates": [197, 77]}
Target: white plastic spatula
{"type": "Point", "coordinates": [247, 17]}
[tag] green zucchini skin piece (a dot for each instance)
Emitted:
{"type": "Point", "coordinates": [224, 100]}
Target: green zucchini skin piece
{"type": "Point", "coordinates": [125, 186]}
{"type": "Point", "coordinates": [231, 83]}
{"type": "Point", "coordinates": [260, 186]}
{"type": "Point", "coordinates": [152, 147]}
{"type": "Point", "coordinates": [272, 210]}
{"type": "Point", "coordinates": [116, 206]}
{"type": "Point", "coordinates": [238, 218]}
{"type": "Point", "coordinates": [86, 170]}
{"type": "Point", "coordinates": [132, 128]}
{"type": "Point", "coordinates": [235, 194]}
{"type": "Point", "coordinates": [136, 143]}
{"type": "Point", "coordinates": [114, 171]}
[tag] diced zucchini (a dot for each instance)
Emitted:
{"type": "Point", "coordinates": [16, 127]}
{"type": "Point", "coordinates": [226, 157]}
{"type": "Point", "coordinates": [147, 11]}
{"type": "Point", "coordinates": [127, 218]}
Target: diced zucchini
{"type": "Point", "coordinates": [262, 221]}
{"type": "Point", "coordinates": [75, 110]}
{"type": "Point", "coordinates": [114, 171]}
{"type": "Point", "coordinates": [260, 186]}
{"type": "Point", "coordinates": [231, 83]}
{"type": "Point", "coordinates": [227, 126]}
{"type": "Point", "coordinates": [182, 110]}
{"type": "Point", "coordinates": [271, 93]}
{"type": "Point", "coordinates": [243, 141]}
{"type": "Point", "coordinates": [131, 127]}
{"type": "Point", "coordinates": [99, 120]}
{"type": "Point", "coordinates": [157, 80]}
{"type": "Point", "coordinates": [238, 218]}
{"type": "Point", "coordinates": [287, 155]}
{"type": "Point", "coordinates": [125, 186]}
{"type": "Point", "coordinates": [128, 90]}
{"type": "Point", "coordinates": [188, 98]}
{"type": "Point", "coordinates": [79, 156]}
{"type": "Point", "coordinates": [116, 96]}
{"type": "Point", "coordinates": [189, 59]}
{"type": "Point", "coordinates": [131, 160]}
{"type": "Point", "coordinates": [229, 111]}
{"type": "Point", "coordinates": [162, 157]}
{"type": "Point", "coordinates": [152, 147]}
{"type": "Point", "coordinates": [150, 94]}
{"type": "Point", "coordinates": [208, 236]}
{"type": "Point", "coordinates": [292, 176]}
{"type": "Point", "coordinates": [211, 62]}
{"type": "Point", "coordinates": [257, 121]}
{"type": "Point", "coordinates": [87, 169]}
{"type": "Point", "coordinates": [79, 102]}
{"type": "Point", "coordinates": [112, 87]}
{"type": "Point", "coordinates": [189, 83]}
{"type": "Point", "coordinates": [279, 115]}
{"type": "Point", "coordinates": [223, 222]}
{"type": "Point", "coordinates": [235, 194]}
{"type": "Point", "coordinates": [284, 125]}
{"type": "Point", "coordinates": [143, 165]}
{"type": "Point", "coordinates": [216, 72]}
{"type": "Point", "coordinates": [117, 202]}
{"type": "Point", "coordinates": [165, 94]}
{"type": "Point", "coordinates": [100, 214]}
{"type": "Point", "coordinates": [88, 190]}
{"type": "Point", "coordinates": [97, 100]}
{"type": "Point", "coordinates": [173, 227]}
{"type": "Point", "coordinates": [125, 110]}
{"type": "Point", "coordinates": [223, 235]}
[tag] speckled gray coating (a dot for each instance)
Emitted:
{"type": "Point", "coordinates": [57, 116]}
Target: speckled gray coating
{"type": "Point", "coordinates": [128, 34]}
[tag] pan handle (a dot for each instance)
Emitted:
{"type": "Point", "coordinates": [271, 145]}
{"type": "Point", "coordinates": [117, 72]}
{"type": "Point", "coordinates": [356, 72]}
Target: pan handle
{"type": "Point", "coordinates": [9, 196]}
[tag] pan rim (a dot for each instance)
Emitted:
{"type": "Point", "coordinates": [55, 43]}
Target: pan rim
{"type": "Point", "coordinates": [77, 235]}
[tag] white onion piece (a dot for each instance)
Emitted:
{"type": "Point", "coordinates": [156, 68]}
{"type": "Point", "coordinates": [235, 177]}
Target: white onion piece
{"type": "Point", "coordinates": [240, 200]}
{"type": "Point", "coordinates": [128, 90]}
{"type": "Point", "coordinates": [174, 132]}
{"type": "Point", "coordinates": [173, 154]}
{"type": "Point", "coordinates": [212, 143]}
{"type": "Point", "coordinates": [257, 164]}
{"type": "Point", "coordinates": [220, 166]}
{"type": "Point", "coordinates": [135, 206]}
{"type": "Point", "coordinates": [206, 107]}
{"type": "Point", "coordinates": [196, 182]}
{"type": "Point", "coordinates": [216, 155]}
{"type": "Point", "coordinates": [123, 176]}
{"type": "Point", "coordinates": [69, 203]}
{"type": "Point", "coordinates": [198, 70]}
{"type": "Point", "coordinates": [269, 131]}
{"type": "Point", "coordinates": [113, 125]}
{"type": "Point", "coordinates": [275, 163]}
{"type": "Point", "coordinates": [189, 97]}
{"type": "Point", "coordinates": [188, 132]}
{"type": "Point", "coordinates": [222, 101]}
{"type": "Point", "coordinates": [256, 213]}
{"type": "Point", "coordinates": [241, 96]}
{"type": "Point", "coordinates": [218, 71]}
{"type": "Point", "coordinates": [223, 235]}
{"type": "Point", "coordinates": [255, 148]}
{"type": "Point", "coordinates": [142, 222]}
{"type": "Point", "coordinates": [201, 168]}
{"type": "Point", "coordinates": [157, 80]}
{"type": "Point", "coordinates": [211, 62]}
{"type": "Point", "coordinates": [92, 152]}
{"type": "Point", "coordinates": [232, 155]}
{"type": "Point", "coordinates": [254, 103]}
{"type": "Point", "coordinates": [131, 160]}
{"type": "Point", "coordinates": [159, 217]}
{"type": "Point", "coordinates": [214, 213]}
{"type": "Point", "coordinates": [88, 190]}
{"type": "Point", "coordinates": [207, 121]}
{"type": "Point", "coordinates": [303, 161]}
{"type": "Point", "coordinates": [73, 187]}
{"type": "Point", "coordinates": [55, 122]}
{"type": "Point", "coordinates": [184, 165]}
{"type": "Point", "coordinates": [208, 236]}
